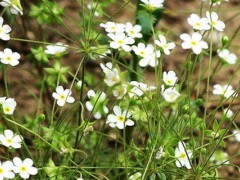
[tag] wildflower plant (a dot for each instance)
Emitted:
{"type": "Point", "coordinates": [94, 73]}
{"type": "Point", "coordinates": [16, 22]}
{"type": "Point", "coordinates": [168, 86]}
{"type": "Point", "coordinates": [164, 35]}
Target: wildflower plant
{"type": "Point", "coordinates": [108, 90]}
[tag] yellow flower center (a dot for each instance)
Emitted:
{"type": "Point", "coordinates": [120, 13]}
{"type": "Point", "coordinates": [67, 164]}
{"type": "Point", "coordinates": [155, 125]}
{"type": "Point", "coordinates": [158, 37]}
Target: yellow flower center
{"type": "Point", "coordinates": [1, 30]}
{"type": "Point", "coordinates": [131, 32]}
{"type": "Point", "coordinates": [1, 170]}
{"type": "Point", "coordinates": [62, 96]}
{"type": "Point", "coordinates": [214, 23]}
{"type": "Point", "coordinates": [120, 41]}
{"type": "Point", "coordinates": [193, 43]}
{"type": "Point", "coordinates": [182, 155]}
{"type": "Point", "coordinates": [23, 169]}
{"type": "Point", "coordinates": [8, 58]}
{"type": "Point", "coordinates": [7, 109]}
{"type": "Point", "coordinates": [121, 118]}
{"type": "Point", "coordinates": [142, 53]}
{"type": "Point", "coordinates": [9, 141]}
{"type": "Point", "coordinates": [198, 24]}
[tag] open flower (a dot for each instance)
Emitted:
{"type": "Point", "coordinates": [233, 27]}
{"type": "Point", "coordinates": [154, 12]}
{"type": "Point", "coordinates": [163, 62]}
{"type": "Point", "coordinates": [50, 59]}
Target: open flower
{"type": "Point", "coordinates": [120, 91]}
{"type": "Point", "coordinates": [9, 57]}
{"type": "Point", "coordinates": [6, 170]}
{"type": "Point", "coordinates": [183, 155]}
{"type": "Point", "coordinates": [198, 23]}
{"type": "Point", "coordinates": [97, 104]}
{"type": "Point", "coordinates": [153, 3]}
{"type": "Point", "coordinates": [214, 22]}
{"type": "Point", "coordinates": [112, 76]}
{"type": "Point", "coordinates": [62, 96]}
{"type": "Point", "coordinates": [9, 106]}
{"type": "Point", "coordinates": [112, 27]}
{"type": "Point", "coordinates": [237, 135]}
{"type": "Point", "coordinates": [56, 49]}
{"type": "Point", "coordinates": [24, 168]}
{"type": "Point", "coordinates": [170, 78]}
{"type": "Point", "coordinates": [227, 57]}
{"type": "Point", "coordinates": [4, 30]}
{"type": "Point", "coordinates": [133, 31]}
{"type": "Point", "coordinates": [166, 47]}
{"type": "Point", "coordinates": [139, 88]}
{"type": "Point", "coordinates": [225, 91]}
{"type": "Point", "coordinates": [147, 53]}
{"type": "Point", "coordinates": [8, 139]}
{"type": "Point", "coordinates": [120, 40]}
{"type": "Point", "coordinates": [170, 94]}
{"type": "Point", "coordinates": [193, 42]}
{"type": "Point", "coordinates": [15, 6]}
{"type": "Point", "coordinates": [119, 119]}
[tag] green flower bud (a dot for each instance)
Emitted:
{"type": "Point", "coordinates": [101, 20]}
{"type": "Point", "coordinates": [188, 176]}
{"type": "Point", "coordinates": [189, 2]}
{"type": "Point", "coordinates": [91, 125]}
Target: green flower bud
{"type": "Point", "coordinates": [225, 40]}
{"type": "Point", "coordinates": [41, 117]}
{"type": "Point", "coordinates": [199, 102]}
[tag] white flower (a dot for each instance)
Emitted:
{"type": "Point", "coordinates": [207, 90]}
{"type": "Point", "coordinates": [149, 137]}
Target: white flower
{"type": "Point", "coordinates": [2, 99]}
{"type": "Point", "coordinates": [154, 3]}
{"type": "Point", "coordinates": [135, 176]}
{"type": "Point", "coordinates": [120, 91]}
{"type": "Point", "coordinates": [80, 178]}
{"type": "Point", "coordinates": [215, 3]}
{"type": "Point", "coordinates": [228, 113]}
{"type": "Point", "coordinates": [133, 31]}
{"type": "Point", "coordinates": [15, 8]}
{"type": "Point", "coordinates": [112, 76]}
{"type": "Point", "coordinates": [97, 104]}
{"type": "Point", "coordinates": [24, 168]}
{"type": "Point", "coordinates": [225, 91]}
{"type": "Point", "coordinates": [10, 140]}
{"type": "Point", "coordinates": [237, 135]}
{"type": "Point", "coordinates": [112, 27]}
{"type": "Point", "coordinates": [139, 88]}
{"type": "Point", "coordinates": [149, 56]}
{"type": "Point", "coordinates": [227, 57]}
{"type": "Point", "coordinates": [93, 7]}
{"type": "Point", "coordinates": [160, 153]}
{"type": "Point", "coordinates": [170, 78]}
{"type": "Point", "coordinates": [9, 57]}
{"type": "Point", "coordinates": [9, 106]}
{"type": "Point", "coordinates": [193, 42]}
{"type": "Point", "coordinates": [214, 22]}
{"type": "Point", "coordinates": [170, 95]}
{"type": "Point", "coordinates": [56, 49]}
{"type": "Point", "coordinates": [6, 170]}
{"type": "Point", "coordinates": [120, 119]}
{"type": "Point", "coordinates": [220, 157]}
{"type": "Point", "coordinates": [79, 84]}
{"type": "Point", "coordinates": [62, 96]}
{"type": "Point", "coordinates": [166, 47]}
{"type": "Point", "coordinates": [120, 40]}
{"type": "Point", "coordinates": [183, 155]}
{"type": "Point", "coordinates": [198, 23]}
{"type": "Point", "coordinates": [4, 30]}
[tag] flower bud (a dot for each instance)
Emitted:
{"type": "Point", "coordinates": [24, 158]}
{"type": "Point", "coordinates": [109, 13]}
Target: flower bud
{"type": "Point", "coordinates": [225, 40]}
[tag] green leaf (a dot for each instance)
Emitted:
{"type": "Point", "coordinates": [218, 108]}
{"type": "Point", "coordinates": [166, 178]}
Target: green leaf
{"type": "Point", "coordinates": [146, 20]}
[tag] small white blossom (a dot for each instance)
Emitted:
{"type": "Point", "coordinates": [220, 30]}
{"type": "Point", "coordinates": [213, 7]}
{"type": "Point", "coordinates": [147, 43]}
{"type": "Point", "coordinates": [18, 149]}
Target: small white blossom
{"type": "Point", "coordinates": [120, 91]}
{"type": "Point", "coordinates": [79, 84]}
{"type": "Point", "coordinates": [193, 42]}
{"type": "Point", "coordinates": [9, 57]}
{"type": "Point", "coordinates": [4, 30]}
{"type": "Point", "coordinates": [149, 56]}
{"type": "Point", "coordinates": [56, 49]}
{"type": "Point", "coordinates": [227, 57]}
{"type": "Point", "coordinates": [112, 76]}
{"type": "Point", "coordinates": [62, 96]}
{"type": "Point", "coordinates": [139, 88]}
{"type": "Point", "coordinates": [135, 176]}
{"type": "Point", "coordinates": [170, 78]}
{"type": "Point", "coordinates": [160, 153]}
{"type": "Point", "coordinates": [112, 27]}
{"type": "Point", "coordinates": [154, 3]}
{"type": "Point", "coordinates": [166, 46]}
{"type": "Point", "coordinates": [183, 155]}
{"type": "Point", "coordinates": [215, 3]}
{"type": "Point", "coordinates": [133, 31]}
{"type": "Point", "coordinates": [14, 7]}
{"type": "Point", "coordinates": [198, 23]}
{"type": "Point", "coordinates": [9, 106]}
{"type": "Point", "coordinates": [170, 95]}
{"type": "Point", "coordinates": [6, 170]}
{"type": "Point", "coordinates": [93, 7]}
{"type": "Point", "coordinates": [120, 40]}
{"type": "Point", "coordinates": [119, 119]}
{"type": "Point", "coordinates": [2, 99]}
{"type": "Point", "coordinates": [96, 104]}
{"type": "Point", "coordinates": [220, 157]}
{"type": "Point", "coordinates": [8, 139]}
{"type": "Point", "coordinates": [225, 91]}
{"type": "Point", "coordinates": [228, 113]}
{"type": "Point", "coordinates": [237, 135]}
{"type": "Point", "coordinates": [24, 168]}
{"type": "Point", "coordinates": [214, 22]}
